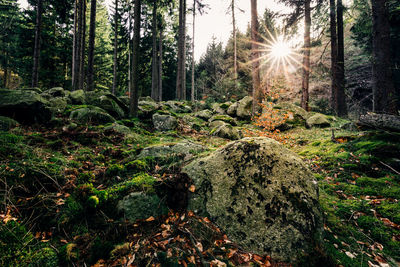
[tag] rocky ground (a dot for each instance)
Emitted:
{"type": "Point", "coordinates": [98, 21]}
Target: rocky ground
{"type": "Point", "coordinates": [84, 184]}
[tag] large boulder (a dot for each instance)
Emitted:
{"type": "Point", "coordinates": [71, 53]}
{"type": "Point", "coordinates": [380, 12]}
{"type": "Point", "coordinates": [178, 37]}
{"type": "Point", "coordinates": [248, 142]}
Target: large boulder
{"type": "Point", "coordinates": [217, 109]}
{"type": "Point", "coordinates": [117, 128]}
{"type": "Point", "coordinates": [90, 114]}
{"type": "Point", "coordinates": [184, 148]}
{"type": "Point", "coordinates": [318, 120]}
{"type": "Point", "coordinates": [231, 111]}
{"type": "Point", "coordinates": [110, 103]}
{"type": "Point", "coordinates": [205, 114]}
{"type": "Point", "coordinates": [243, 110]}
{"type": "Point", "coordinates": [261, 194]}
{"type": "Point", "coordinates": [77, 97]}
{"type": "Point", "coordinates": [194, 122]}
{"type": "Point", "coordinates": [58, 104]}
{"type": "Point", "coordinates": [226, 131]}
{"type": "Point", "coordinates": [147, 108]}
{"type": "Point", "coordinates": [25, 106]}
{"type": "Point", "coordinates": [7, 123]}
{"type": "Point", "coordinates": [164, 122]}
{"type": "Point", "coordinates": [56, 92]}
{"type": "Point", "coordinates": [225, 118]}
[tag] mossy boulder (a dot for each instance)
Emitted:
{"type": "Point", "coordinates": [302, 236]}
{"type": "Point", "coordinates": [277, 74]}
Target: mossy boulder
{"type": "Point", "coordinates": [215, 124]}
{"type": "Point", "coordinates": [244, 108]}
{"type": "Point", "coordinates": [205, 114]}
{"type": "Point", "coordinates": [194, 123]}
{"type": "Point", "coordinates": [117, 128]}
{"type": "Point", "coordinates": [56, 92]}
{"type": "Point", "coordinates": [7, 123]}
{"type": "Point", "coordinates": [216, 108]}
{"type": "Point", "coordinates": [140, 205]}
{"type": "Point", "coordinates": [177, 107]}
{"type": "Point", "coordinates": [147, 108]}
{"type": "Point", "coordinates": [25, 106]}
{"type": "Point", "coordinates": [318, 120]}
{"type": "Point", "coordinates": [94, 115]}
{"type": "Point", "coordinates": [225, 118]}
{"type": "Point", "coordinates": [232, 109]}
{"type": "Point", "coordinates": [77, 97]}
{"type": "Point", "coordinates": [58, 104]}
{"type": "Point", "coordinates": [261, 194]}
{"type": "Point", "coordinates": [108, 102]}
{"type": "Point", "coordinates": [226, 131]}
{"type": "Point", "coordinates": [164, 122]}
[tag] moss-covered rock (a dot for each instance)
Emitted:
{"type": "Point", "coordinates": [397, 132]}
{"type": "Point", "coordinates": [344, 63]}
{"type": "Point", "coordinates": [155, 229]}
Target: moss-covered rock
{"type": "Point", "coordinates": [118, 128]}
{"type": "Point", "coordinates": [139, 205]}
{"type": "Point", "coordinates": [93, 115]}
{"type": "Point", "coordinates": [25, 106]}
{"type": "Point", "coordinates": [226, 131]}
{"type": "Point", "coordinates": [244, 108]}
{"type": "Point", "coordinates": [217, 109]}
{"type": "Point", "coordinates": [164, 122]}
{"type": "Point", "coordinates": [225, 118]}
{"type": "Point", "coordinates": [261, 194]}
{"type": "Point", "coordinates": [147, 108]}
{"type": "Point", "coordinates": [7, 123]}
{"type": "Point", "coordinates": [215, 124]}
{"type": "Point", "coordinates": [205, 114]}
{"type": "Point", "coordinates": [318, 120]}
{"type": "Point", "coordinates": [77, 97]}
{"type": "Point", "coordinates": [108, 102]}
{"type": "Point", "coordinates": [56, 92]}
{"type": "Point", "coordinates": [232, 109]}
{"type": "Point", "coordinates": [58, 104]}
{"type": "Point", "coordinates": [194, 122]}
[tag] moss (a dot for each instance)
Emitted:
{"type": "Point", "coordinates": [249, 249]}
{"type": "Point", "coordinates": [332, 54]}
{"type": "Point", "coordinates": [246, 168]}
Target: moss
{"type": "Point", "coordinates": [137, 166]}
{"type": "Point", "coordinates": [115, 169]}
{"type": "Point", "coordinates": [86, 177]}
{"type": "Point", "coordinates": [46, 257]}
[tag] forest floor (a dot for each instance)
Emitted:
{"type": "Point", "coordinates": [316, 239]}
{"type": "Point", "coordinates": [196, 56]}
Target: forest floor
{"type": "Point", "coordinates": [61, 188]}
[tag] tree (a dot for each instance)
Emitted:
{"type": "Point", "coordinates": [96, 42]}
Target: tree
{"type": "Point", "coordinates": [154, 64]}
{"type": "Point", "coordinates": [115, 47]}
{"type": "Point", "coordinates": [341, 107]}
{"type": "Point", "coordinates": [382, 80]}
{"type": "Point", "coordinates": [181, 72]}
{"type": "Point", "coordinates": [334, 53]}
{"type": "Point", "coordinates": [306, 57]}
{"type": "Point", "coordinates": [36, 50]}
{"type": "Point", "coordinates": [234, 41]}
{"type": "Point", "coordinates": [193, 61]}
{"type": "Point", "coordinates": [92, 36]}
{"type": "Point", "coordinates": [134, 97]}
{"type": "Point", "coordinates": [257, 95]}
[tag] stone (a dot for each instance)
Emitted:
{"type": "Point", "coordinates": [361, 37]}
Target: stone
{"type": "Point", "coordinates": [225, 118]}
{"type": "Point", "coordinates": [185, 148]}
{"type": "Point", "coordinates": [318, 120]}
{"type": "Point", "coordinates": [231, 111]}
{"type": "Point", "coordinates": [226, 131]}
{"type": "Point", "coordinates": [58, 104]}
{"type": "Point", "coordinates": [216, 108]}
{"type": "Point", "coordinates": [140, 205]}
{"type": "Point", "coordinates": [244, 108]}
{"type": "Point", "coordinates": [110, 103]}
{"type": "Point", "coordinates": [7, 123]}
{"type": "Point", "coordinates": [215, 124]}
{"type": "Point", "coordinates": [94, 115]}
{"type": "Point", "coordinates": [194, 123]}
{"type": "Point", "coordinates": [205, 114]}
{"type": "Point", "coordinates": [56, 92]}
{"type": "Point", "coordinates": [147, 108]}
{"type": "Point", "coordinates": [77, 97]}
{"type": "Point", "coordinates": [25, 106]}
{"type": "Point", "coordinates": [297, 116]}
{"type": "Point", "coordinates": [262, 196]}
{"type": "Point", "coordinates": [164, 122]}
{"type": "Point", "coordinates": [118, 128]}
{"type": "Point", "coordinates": [146, 98]}
{"type": "Point", "coordinates": [177, 107]}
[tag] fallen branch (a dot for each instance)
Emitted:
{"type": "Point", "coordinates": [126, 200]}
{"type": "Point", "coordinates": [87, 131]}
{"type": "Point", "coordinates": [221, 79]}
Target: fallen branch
{"type": "Point", "coordinates": [380, 121]}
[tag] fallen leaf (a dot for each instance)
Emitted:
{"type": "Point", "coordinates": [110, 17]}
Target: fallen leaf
{"type": "Point", "coordinates": [150, 219]}
{"type": "Point", "coordinates": [192, 188]}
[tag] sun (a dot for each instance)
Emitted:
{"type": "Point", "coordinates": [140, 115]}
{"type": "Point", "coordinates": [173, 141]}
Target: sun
{"type": "Point", "coordinates": [280, 49]}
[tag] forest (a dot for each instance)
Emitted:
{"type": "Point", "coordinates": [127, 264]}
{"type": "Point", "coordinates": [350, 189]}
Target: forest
{"type": "Point", "coordinates": [124, 142]}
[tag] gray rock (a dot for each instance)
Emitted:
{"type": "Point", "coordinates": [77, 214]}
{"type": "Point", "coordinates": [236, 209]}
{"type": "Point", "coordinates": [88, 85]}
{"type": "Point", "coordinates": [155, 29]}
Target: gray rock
{"type": "Point", "coordinates": [7, 123]}
{"type": "Point", "coordinates": [25, 106]}
{"type": "Point", "coordinates": [147, 108]}
{"type": "Point", "coordinates": [216, 108]}
{"type": "Point", "coordinates": [56, 92]}
{"type": "Point", "coordinates": [205, 114]}
{"type": "Point", "coordinates": [58, 104]}
{"type": "Point", "coordinates": [164, 122]}
{"type": "Point", "coordinates": [77, 97]}
{"type": "Point", "coordinates": [318, 120]}
{"type": "Point", "coordinates": [231, 111]}
{"type": "Point", "coordinates": [225, 118]}
{"type": "Point", "coordinates": [118, 128]}
{"type": "Point", "coordinates": [261, 194]}
{"type": "Point", "coordinates": [226, 131]}
{"type": "Point", "coordinates": [244, 108]}
{"type": "Point", "coordinates": [93, 115]}
{"type": "Point", "coordinates": [177, 107]}
{"type": "Point", "coordinates": [215, 124]}
{"type": "Point", "coordinates": [185, 148]}
{"type": "Point", "coordinates": [139, 205]}
{"type": "Point", "coordinates": [194, 123]}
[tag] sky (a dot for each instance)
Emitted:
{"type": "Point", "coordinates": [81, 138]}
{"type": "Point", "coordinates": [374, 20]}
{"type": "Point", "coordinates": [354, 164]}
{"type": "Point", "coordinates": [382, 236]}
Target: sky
{"type": "Point", "coordinates": [217, 21]}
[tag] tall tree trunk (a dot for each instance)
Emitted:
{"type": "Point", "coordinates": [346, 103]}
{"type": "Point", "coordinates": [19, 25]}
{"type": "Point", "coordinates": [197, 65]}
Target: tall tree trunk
{"type": "Point", "coordinates": [74, 45]}
{"type": "Point", "coordinates": [334, 81]}
{"type": "Point", "coordinates": [160, 63]}
{"type": "Point", "coordinates": [115, 48]}
{"type": "Point", "coordinates": [193, 63]}
{"type": "Point", "coordinates": [129, 49]}
{"type": "Point", "coordinates": [306, 56]}
{"type": "Point", "coordinates": [92, 35]}
{"type": "Point", "coordinates": [36, 50]}
{"type": "Point", "coordinates": [341, 109]}
{"type": "Point", "coordinates": [77, 45]}
{"type": "Point", "coordinates": [234, 42]}
{"type": "Point", "coordinates": [154, 59]}
{"type": "Point", "coordinates": [382, 79]}
{"type": "Point", "coordinates": [181, 73]}
{"type": "Point", "coordinates": [134, 97]}
{"type": "Point", "coordinates": [82, 49]}
{"type": "Point", "coordinates": [257, 97]}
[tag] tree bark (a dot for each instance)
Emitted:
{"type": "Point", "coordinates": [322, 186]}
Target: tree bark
{"type": "Point", "coordinates": [82, 49]}
{"type": "Point", "coordinates": [334, 81]}
{"type": "Point", "coordinates": [74, 46]}
{"type": "Point", "coordinates": [193, 63]}
{"type": "Point", "coordinates": [115, 48]}
{"type": "Point", "coordinates": [129, 51]}
{"type": "Point", "coordinates": [306, 56]}
{"type": "Point", "coordinates": [36, 50]}
{"type": "Point", "coordinates": [234, 42]}
{"type": "Point", "coordinates": [160, 63]}
{"type": "Point", "coordinates": [382, 80]}
{"type": "Point", "coordinates": [380, 121]}
{"type": "Point", "coordinates": [257, 97]}
{"type": "Point", "coordinates": [154, 59]}
{"type": "Point", "coordinates": [92, 35]}
{"type": "Point", "coordinates": [181, 73]}
{"type": "Point", "coordinates": [341, 108]}
{"type": "Point", "coordinates": [134, 97]}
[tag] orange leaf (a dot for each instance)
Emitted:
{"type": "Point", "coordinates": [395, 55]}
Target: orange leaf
{"type": "Point", "coordinates": [192, 188]}
{"type": "Point", "coordinates": [150, 219]}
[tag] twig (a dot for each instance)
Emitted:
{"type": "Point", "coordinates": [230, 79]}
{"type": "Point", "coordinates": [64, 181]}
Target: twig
{"type": "Point", "coordinates": [384, 164]}
{"type": "Point", "coordinates": [192, 239]}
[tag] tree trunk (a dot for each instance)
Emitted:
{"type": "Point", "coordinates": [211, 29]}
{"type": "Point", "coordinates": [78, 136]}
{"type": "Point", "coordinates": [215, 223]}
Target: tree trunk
{"type": "Point", "coordinates": [193, 63]}
{"type": "Point", "coordinates": [115, 48]}
{"type": "Point", "coordinates": [129, 51]}
{"type": "Point", "coordinates": [134, 97]}
{"type": "Point", "coordinates": [92, 35]}
{"type": "Point", "coordinates": [234, 42]}
{"type": "Point", "coordinates": [257, 97]}
{"type": "Point", "coordinates": [180, 77]}
{"type": "Point", "coordinates": [183, 62]}
{"type": "Point", "coordinates": [74, 46]}
{"type": "Point", "coordinates": [341, 108]}
{"type": "Point", "coordinates": [77, 44]}
{"type": "Point", "coordinates": [154, 59]}
{"type": "Point", "coordinates": [306, 56]}
{"type": "Point", "coordinates": [36, 50]}
{"type": "Point", "coordinates": [82, 49]}
{"type": "Point", "coordinates": [380, 121]}
{"type": "Point", "coordinates": [382, 80]}
{"type": "Point", "coordinates": [334, 81]}
{"type": "Point", "coordinates": [160, 63]}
